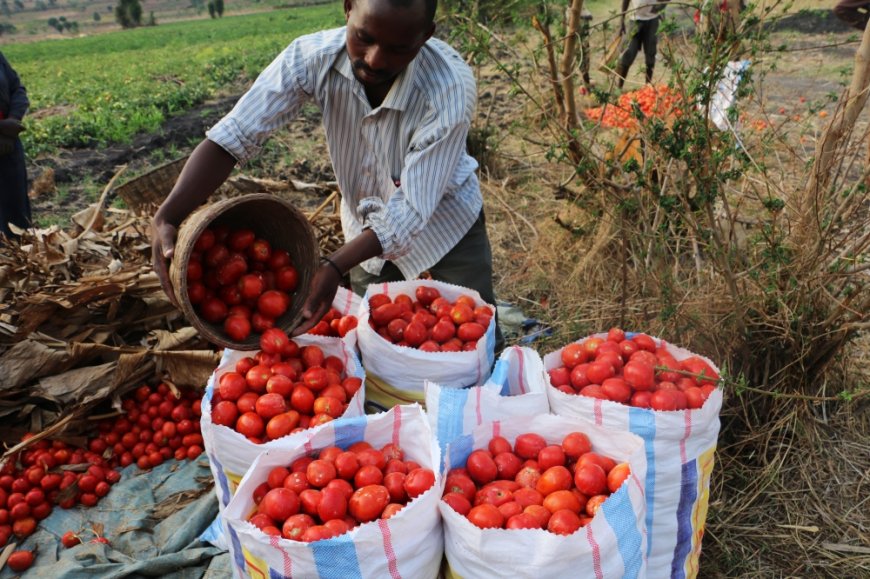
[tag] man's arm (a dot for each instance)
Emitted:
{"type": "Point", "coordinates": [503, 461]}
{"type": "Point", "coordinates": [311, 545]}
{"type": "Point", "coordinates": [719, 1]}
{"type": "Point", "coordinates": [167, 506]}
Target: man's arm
{"type": "Point", "coordinates": [622, 16]}
{"type": "Point", "coordinates": [206, 169]}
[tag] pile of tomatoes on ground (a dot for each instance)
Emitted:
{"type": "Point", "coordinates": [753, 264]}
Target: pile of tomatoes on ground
{"type": "Point", "coordinates": [533, 484]}
{"type": "Point", "coordinates": [281, 390]}
{"type": "Point", "coordinates": [326, 495]}
{"type": "Point", "coordinates": [432, 323]}
{"type": "Point", "coordinates": [239, 280]}
{"type": "Point", "coordinates": [653, 101]}
{"type": "Point", "coordinates": [634, 371]}
{"type": "Point", "coordinates": [158, 424]}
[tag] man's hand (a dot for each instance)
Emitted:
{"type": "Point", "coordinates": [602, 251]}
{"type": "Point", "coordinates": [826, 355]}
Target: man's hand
{"type": "Point", "coordinates": [322, 292]}
{"type": "Point", "coordinates": [7, 145]}
{"type": "Point", "coordinates": [162, 249]}
{"type": "Point", "coordinates": [11, 127]}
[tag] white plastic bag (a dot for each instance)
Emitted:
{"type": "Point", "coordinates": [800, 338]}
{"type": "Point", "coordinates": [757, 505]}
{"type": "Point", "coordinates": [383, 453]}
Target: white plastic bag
{"type": "Point", "coordinates": [399, 372]}
{"type": "Point", "coordinates": [409, 544]}
{"type": "Point", "coordinates": [612, 545]}
{"type": "Point", "coordinates": [680, 447]}
{"type": "Point", "coordinates": [517, 387]}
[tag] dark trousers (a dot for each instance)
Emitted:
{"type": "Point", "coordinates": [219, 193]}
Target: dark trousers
{"type": "Point", "coordinates": [853, 12]}
{"type": "Point", "coordinates": [468, 264]}
{"type": "Point", "coordinates": [642, 34]}
{"type": "Point", "coordinates": [14, 204]}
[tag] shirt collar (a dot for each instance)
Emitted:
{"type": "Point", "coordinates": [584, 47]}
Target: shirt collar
{"type": "Point", "coordinates": [399, 96]}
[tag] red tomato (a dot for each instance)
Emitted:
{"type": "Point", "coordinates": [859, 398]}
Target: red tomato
{"type": "Point", "coordinates": [282, 424]}
{"type": "Point", "coordinates": [564, 522]}
{"type": "Point", "coordinates": [617, 476]}
{"type": "Point", "coordinates": [599, 371]}
{"type": "Point", "coordinates": [333, 504]}
{"type": "Point", "coordinates": [573, 354]}
{"type": "Point", "coordinates": [391, 509]}
{"type": "Point", "coordinates": [486, 516]}
{"type": "Point", "coordinates": [541, 513]}
{"type": "Point", "coordinates": [579, 377]}
{"type": "Point", "coordinates": [270, 405]}
{"type": "Point", "coordinates": [594, 391]}
{"type": "Point", "coordinates": [461, 484]}
{"type": "Point", "coordinates": [418, 481]}
{"type": "Point", "coordinates": [523, 521]}
{"type": "Point", "coordinates": [526, 496]}
{"type": "Point", "coordinates": [509, 509]}
{"type": "Point", "coordinates": [616, 390]}
{"type": "Point", "coordinates": [319, 472]}
{"type": "Point", "coordinates": [426, 295]}
{"type": "Point", "coordinates": [280, 503]}
{"type": "Point", "coordinates": [294, 527]}
{"type": "Point", "coordinates": [395, 484]}
{"type": "Point", "coordinates": [604, 462]}
{"type": "Point", "coordinates": [250, 424]}
{"type": "Point", "coordinates": [368, 502]}
{"type": "Point", "coordinates": [590, 479]}
{"type": "Point", "coordinates": [551, 455]}
{"type": "Point", "coordinates": [508, 464]}
{"type": "Point", "coordinates": [528, 445]}
{"type": "Point", "coordinates": [528, 476]}
{"type": "Point", "coordinates": [287, 278]}
{"type": "Point", "coordinates": [560, 376]}
{"type": "Point", "coordinates": [561, 500]}
{"type": "Point", "coordinates": [20, 560]}
{"type": "Point", "coordinates": [555, 478]}
{"type": "Point", "coordinates": [225, 413]}
{"type": "Point", "coordinates": [615, 335]}
{"type": "Point", "coordinates": [457, 502]}
{"type": "Point", "coordinates": [368, 475]}
{"type": "Point", "coordinates": [273, 303]}
{"type": "Point", "coordinates": [309, 499]}
{"type": "Point", "coordinates": [644, 342]}
{"type": "Point", "coordinates": [641, 399]}
{"type": "Point", "coordinates": [594, 503]}
{"type": "Point", "coordinates": [493, 495]}
{"type": "Point", "coordinates": [346, 465]}
{"type": "Point", "coordinates": [576, 444]}
{"type": "Point", "coordinates": [481, 467]}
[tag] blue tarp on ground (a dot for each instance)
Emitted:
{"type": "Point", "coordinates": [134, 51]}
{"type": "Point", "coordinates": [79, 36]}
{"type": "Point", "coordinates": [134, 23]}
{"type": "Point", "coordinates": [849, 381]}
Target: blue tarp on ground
{"type": "Point", "coordinates": [152, 519]}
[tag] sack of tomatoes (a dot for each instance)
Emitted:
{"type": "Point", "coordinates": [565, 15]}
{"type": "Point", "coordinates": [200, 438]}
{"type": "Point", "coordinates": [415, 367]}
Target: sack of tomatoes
{"type": "Point", "coordinates": [358, 499]}
{"type": "Point", "coordinates": [545, 495]}
{"type": "Point", "coordinates": [411, 331]}
{"type": "Point", "coordinates": [669, 397]}
{"type": "Point", "coordinates": [274, 399]}
{"type": "Point", "coordinates": [516, 387]}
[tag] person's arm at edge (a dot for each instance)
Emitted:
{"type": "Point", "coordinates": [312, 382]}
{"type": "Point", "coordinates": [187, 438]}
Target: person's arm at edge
{"type": "Point", "coordinates": [622, 16]}
{"type": "Point", "coordinates": [207, 168]}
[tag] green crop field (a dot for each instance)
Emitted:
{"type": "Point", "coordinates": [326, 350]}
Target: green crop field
{"type": "Point", "coordinates": [91, 91]}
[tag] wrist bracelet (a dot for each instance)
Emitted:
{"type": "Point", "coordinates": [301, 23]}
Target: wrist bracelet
{"type": "Point", "coordinates": [332, 263]}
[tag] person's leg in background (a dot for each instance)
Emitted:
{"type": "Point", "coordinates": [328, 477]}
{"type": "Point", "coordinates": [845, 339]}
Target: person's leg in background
{"type": "Point", "coordinates": [855, 13]}
{"type": "Point", "coordinates": [648, 34]}
{"type": "Point", "coordinates": [14, 203]}
{"type": "Point", "coordinates": [629, 53]}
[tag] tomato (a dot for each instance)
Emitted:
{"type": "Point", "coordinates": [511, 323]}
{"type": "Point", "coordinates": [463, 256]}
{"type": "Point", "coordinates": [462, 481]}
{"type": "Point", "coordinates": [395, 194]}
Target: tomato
{"type": "Point", "coordinates": [216, 255]}
{"type": "Point", "coordinates": [273, 303]}
{"type": "Point", "coordinates": [368, 474]}
{"type": "Point", "coordinates": [297, 482]}
{"type": "Point", "coordinates": [481, 467]}
{"type": "Point", "coordinates": [564, 522]}
{"type": "Point", "coordinates": [590, 479]}
{"type": "Point", "coordinates": [20, 560]}
{"type": "Point", "coordinates": [523, 521]}
{"type": "Point", "coordinates": [213, 310]}
{"type": "Point", "coordinates": [528, 445]}
{"type": "Point", "coordinates": [316, 533]}
{"type": "Point", "coordinates": [337, 526]}
{"type": "Point", "coordinates": [319, 472]}
{"type": "Point", "coordinates": [641, 399]}
{"type": "Point", "coordinates": [644, 342]}
{"type": "Point", "coordinates": [294, 527]}
{"type": "Point", "coordinates": [205, 241]}
{"type": "Point", "coordinates": [395, 484]}
{"type": "Point", "coordinates": [486, 516]}
{"type": "Point", "coordinates": [560, 376]}
{"type": "Point", "coordinates": [280, 503]}
{"type": "Point", "coordinates": [391, 509]}
{"type": "Point", "coordinates": [418, 481]}
{"type": "Point", "coordinates": [576, 444]}
{"type": "Point", "coordinates": [461, 484]}
{"type": "Point", "coordinates": [250, 424]}
{"type": "Point", "coordinates": [551, 455]}
{"type": "Point", "coordinates": [287, 278]}
{"type": "Point", "coordinates": [665, 400]}
{"type": "Point", "coordinates": [426, 294]}
{"type": "Point", "coordinates": [539, 512]}
{"type": "Point", "coordinates": [309, 499]}
{"type": "Point", "coordinates": [282, 424]}
{"type": "Point", "coordinates": [599, 371]}
{"type": "Point", "coordinates": [70, 539]}
{"type": "Point", "coordinates": [594, 503]}
{"type": "Point", "coordinates": [368, 502]}
{"type": "Point", "coordinates": [333, 504]}
{"type": "Point", "coordinates": [240, 239]}
{"type": "Point", "coordinates": [270, 405]}
{"type": "Point", "coordinates": [378, 300]}
{"type": "Point", "coordinates": [606, 463]}
{"type": "Point", "coordinates": [573, 354]}
{"type": "Point", "coordinates": [492, 494]}
{"type": "Point", "coordinates": [616, 390]}
{"type": "Point", "coordinates": [615, 335]}
{"type": "Point", "coordinates": [617, 476]}
{"type": "Point", "coordinates": [302, 399]}
{"type": "Point", "coordinates": [528, 476]}
{"type": "Point", "coordinates": [225, 413]}
{"type": "Point", "coordinates": [457, 502]}
{"type": "Point", "coordinates": [594, 391]}
{"type": "Point", "coordinates": [257, 377]}
{"type": "Point", "coordinates": [562, 499]}
{"type": "Point", "coordinates": [509, 509]}
{"type": "Point", "coordinates": [470, 331]}
{"type": "Point", "coordinates": [346, 465]}
{"type": "Point", "coordinates": [704, 373]}
{"type": "Point", "coordinates": [555, 478]}
{"type": "Point", "coordinates": [328, 405]}
{"type": "Point", "coordinates": [508, 464]}
{"type": "Point", "coordinates": [526, 496]}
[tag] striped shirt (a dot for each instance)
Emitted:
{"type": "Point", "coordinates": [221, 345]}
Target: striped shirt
{"type": "Point", "coordinates": [403, 168]}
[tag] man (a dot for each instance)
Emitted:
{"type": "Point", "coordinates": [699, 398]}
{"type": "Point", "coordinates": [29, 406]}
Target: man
{"type": "Point", "coordinates": [397, 105]}
{"type": "Point", "coordinates": [14, 204]}
{"type": "Point", "coordinates": [855, 13]}
{"type": "Point", "coordinates": [642, 34]}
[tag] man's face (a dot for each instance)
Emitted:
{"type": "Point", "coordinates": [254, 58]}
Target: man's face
{"type": "Point", "coordinates": [383, 39]}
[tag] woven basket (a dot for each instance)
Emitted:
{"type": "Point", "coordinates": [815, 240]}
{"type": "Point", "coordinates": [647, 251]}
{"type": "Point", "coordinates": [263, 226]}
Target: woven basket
{"type": "Point", "coordinates": [270, 218]}
{"type": "Point", "coordinates": [147, 191]}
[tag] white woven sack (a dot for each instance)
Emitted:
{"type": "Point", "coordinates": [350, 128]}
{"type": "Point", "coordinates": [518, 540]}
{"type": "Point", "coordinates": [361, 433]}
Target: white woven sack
{"type": "Point", "coordinates": [409, 544]}
{"type": "Point", "coordinates": [407, 368]}
{"type": "Point", "coordinates": [611, 546]}
{"type": "Point", "coordinates": [517, 387]}
{"type": "Point", "coordinates": [680, 447]}
{"type": "Point", "coordinates": [229, 453]}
